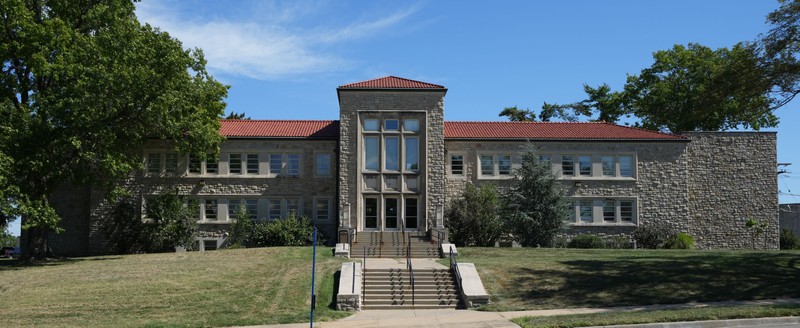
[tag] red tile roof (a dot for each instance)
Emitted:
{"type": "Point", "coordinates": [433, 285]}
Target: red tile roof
{"type": "Point", "coordinates": [452, 130]}
{"type": "Point", "coordinates": [551, 131]}
{"type": "Point", "coordinates": [279, 129]}
{"type": "Point", "coordinates": [391, 82]}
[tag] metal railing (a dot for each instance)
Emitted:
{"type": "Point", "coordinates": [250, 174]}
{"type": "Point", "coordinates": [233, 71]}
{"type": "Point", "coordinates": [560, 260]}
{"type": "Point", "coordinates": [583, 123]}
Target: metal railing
{"type": "Point", "coordinates": [363, 276]}
{"type": "Point", "coordinates": [351, 236]}
{"type": "Point", "coordinates": [410, 268]}
{"type": "Point", "coordinates": [454, 268]}
{"type": "Point", "coordinates": [440, 236]}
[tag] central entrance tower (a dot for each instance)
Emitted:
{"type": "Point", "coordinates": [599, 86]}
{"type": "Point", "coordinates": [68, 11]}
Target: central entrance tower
{"type": "Point", "coordinates": [391, 155]}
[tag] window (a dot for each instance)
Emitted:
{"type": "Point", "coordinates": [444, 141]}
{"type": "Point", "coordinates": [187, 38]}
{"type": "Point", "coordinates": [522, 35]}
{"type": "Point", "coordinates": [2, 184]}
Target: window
{"type": "Point", "coordinates": [252, 163]}
{"type": "Point", "coordinates": [412, 154]}
{"type": "Point", "coordinates": [545, 159]}
{"type": "Point", "coordinates": [235, 163]}
{"type": "Point", "coordinates": [323, 165]}
{"type": "Point", "coordinates": [322, 210]}
{"type": "Point", "coordinates": [390, 213]}
{"type": "Point", "coordinates": [391, 125]}
{"type": "Point", "coordinates": [250, 204]}
{"type": "Point", "coordinates": [211, 209]}
{"type": "Point", "coordinates": [171, 165]}
{"type": "Point", "coordinates": [370, 213]}
{"type": "Point", "coordinates": [412, 217]}
{"type": "Point", "coordinates": [153, 163]}
{"type": "Point", "coordinates": [626, 166]}
{"type": "Point", "coordinates": [487, 165]}
{"type": "Point", "coordinates": [609, 210]}
{"type": "Point", "coordinates": [411, 125]}
{"type": "Point", "coordinates": [371, 149]}
{"type": "Point", "coordinates": [612, 211]}
{"type": "Point", "coordinates": [275, 164]}
{"type": "Point", "coordinates": [626, 210]}
{"type": "Point", "coordinates": [457, 164]}
{"type": "Point", "coordinates": [209, 245]}
{"type": "Point", "coordinates": [274, 209]}
{"type": "Point", "coordinates": [392, 158]}
{"type": "Point", "coordinates": [293, 164]}
{"type": "Point", "coordinates": [585, 165]}
{"type": "Point", "coordinates": [567, 165]}
{"type": "Point", "coordinates": [292, 207]}
{"type": "Point", "coordinates": [212, 166]}
{"type": "Point", "coordinates": [609, 168]}
{"type": "Point", "coordinates": [504, 164]}
{"type": "Point", "coordinates": [586, 211]}
{"type": "Point", "coordinates": [370, 125]}
{"type": "Point", "coordinates": [194, 165]}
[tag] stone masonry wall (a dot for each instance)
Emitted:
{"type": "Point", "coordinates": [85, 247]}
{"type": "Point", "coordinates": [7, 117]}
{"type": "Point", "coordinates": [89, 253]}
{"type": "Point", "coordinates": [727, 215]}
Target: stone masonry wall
{"type": "Point", "coordinates": [732, 178]}
{"type": "Point", "coordinates": [351, 102]}
{"type": "Point", "coordinates": [660, 186]}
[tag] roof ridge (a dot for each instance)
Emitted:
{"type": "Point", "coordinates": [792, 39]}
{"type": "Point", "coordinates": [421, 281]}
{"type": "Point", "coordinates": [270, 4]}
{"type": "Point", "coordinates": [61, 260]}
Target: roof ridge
{"type": "Point", "coordinates": [389, 82]}
{"type": "Point", "coordinates": [527, 122]}
{"type": "Point", "coordinates": [643, 129]}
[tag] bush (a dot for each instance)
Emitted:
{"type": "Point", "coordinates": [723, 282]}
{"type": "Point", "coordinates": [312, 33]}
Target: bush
{"type": "Point", "coordinates": [789, 240]}
{"type": "Point", "coordinates": [292, 231]}
{"type": "Point", "coordinates": [474, 219]}
{"type": "Point", "coordinates": [586, 241]}
{"type": "Point", "coordinates": [680, 241]}
{"type": "Point", "coordinates": [618, 242]}
{"type": "Point", "coordinates": [242, 228]}
{"type": "Point", "coordinates": [653, 235]}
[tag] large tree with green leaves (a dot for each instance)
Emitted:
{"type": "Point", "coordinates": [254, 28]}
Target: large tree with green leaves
{"type": "Point", "coordinates": [535, 206]}
{"type": "Point", "coordinates": [83, 86]}
{"type": "Point", "coordinates": [475, 218]}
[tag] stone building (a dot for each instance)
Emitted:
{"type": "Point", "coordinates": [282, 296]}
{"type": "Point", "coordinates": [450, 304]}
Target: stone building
{"type": "Point", "coordinates": [391, 162]}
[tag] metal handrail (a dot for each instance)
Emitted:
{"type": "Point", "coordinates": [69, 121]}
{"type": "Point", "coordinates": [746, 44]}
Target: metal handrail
{"type": "Point", "coordinates": [454, 268]}
{"type": "Point", "coordinates": [439, 236]}
{"type": "Point", "coordinates": [380, 244]}
{"type": "Point", "coordinates": [364, 276]}
{"type": "Point", "coordinates": [410, 268]}
{"type": "Point", "coordinates": [353, 288]}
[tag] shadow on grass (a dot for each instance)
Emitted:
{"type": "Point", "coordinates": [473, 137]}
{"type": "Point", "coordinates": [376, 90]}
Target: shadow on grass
{"type": "Point", "coordinates": [336, 277]}
{"type": "Point", "coordinates": [658, 280]}
{"type": "Point", "coordinates": [18, 264]}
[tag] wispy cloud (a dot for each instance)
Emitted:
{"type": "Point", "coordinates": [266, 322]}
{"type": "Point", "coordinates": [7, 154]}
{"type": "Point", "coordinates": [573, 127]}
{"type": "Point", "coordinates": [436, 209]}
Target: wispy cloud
{"type": "Point", "coordinates": [266, 49]}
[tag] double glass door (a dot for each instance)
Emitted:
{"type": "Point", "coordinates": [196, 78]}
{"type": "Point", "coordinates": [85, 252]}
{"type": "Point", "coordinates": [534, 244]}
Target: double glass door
{"type": "Point", "coordinates": [386, 213]}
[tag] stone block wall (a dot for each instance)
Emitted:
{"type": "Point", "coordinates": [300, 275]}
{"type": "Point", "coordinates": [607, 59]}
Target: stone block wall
{"type": "Point", "coordinates": [732, 178]}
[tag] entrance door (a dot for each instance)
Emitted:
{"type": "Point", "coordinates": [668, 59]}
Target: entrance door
{"type": "Point", "coordinates": [411, 214]}
{"type": "Point", "coordinates": [370, 213]}
{"type": "Point", "coordinates": [391, 213]}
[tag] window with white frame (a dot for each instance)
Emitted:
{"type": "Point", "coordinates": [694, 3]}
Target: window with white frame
{"type": "Point", "coordinates": [495, 165]}
{"type": "Point", "coordinates": [171, 163]}
{"type": "Point", "coordinates": [457, 164]}
{"type": "Point", "coordinates": [250, 204]}
{"type": "Point", "coordinates": [392, 153]}
{"type": "Point", "coordinates": [322, 209]}
{"type": "Point", "coordinates": [391, 125]}
{"type": "Point", "coordinates": [567, 165]}
{"type": "Point", "coordinates": [274, 209]}
{"type": "Point", "coordinates": [411, 125]}
{"type": "Point", "coordinates": [585, 165]}
{"type": "Point", "coordinates": [600, 211]}
{"type": "Point", "coordinates": [487, 165]}
{"type": "Point", "coordinates": [212, 166]}
{"type": "Point", "coordinates": [609, 165]}
{"type": "Point", "coordinates": [597, 166]}
{"type": "Point", "coordinates": [194, 165]}
{"type": "Point", "coordinates": [275, 164]}
{"type": "Point", "coordinates": [371, 125]}
{"type": "Point", "coordinates": [252, 163]}
{"type": "Point", "coordinates": [626, 165]}
{"type": "Point", "coordinates": [210, 210]}
{"type": "Point", "coordinates": [323, 165]}
{"type": "Point", "coordinates": [293, 164]}
{"type": "Point", "coordinates": [292, 207]}
{"type": "Point", "coordinates": [412, 154]}
{"type": "Point", "coordinates": [371, 150]}
{"type": "Point", "coordinates": [504, 164]}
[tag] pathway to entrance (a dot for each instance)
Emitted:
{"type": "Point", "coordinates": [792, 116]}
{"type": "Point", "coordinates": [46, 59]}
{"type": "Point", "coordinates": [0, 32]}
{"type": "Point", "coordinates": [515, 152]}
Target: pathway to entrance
{"type": "Point", "coordinates": [470, 318]}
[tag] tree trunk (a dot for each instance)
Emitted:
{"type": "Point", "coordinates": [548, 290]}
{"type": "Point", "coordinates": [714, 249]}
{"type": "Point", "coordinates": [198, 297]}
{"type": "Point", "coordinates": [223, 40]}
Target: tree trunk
{"type": "Point", "coordinates": [35, 244]}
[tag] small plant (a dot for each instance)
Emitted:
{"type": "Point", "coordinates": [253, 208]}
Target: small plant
{"type": "Point", "coordinates": [653, 235]}
{"type": "Point", "coordinates": [757, 228]}
{"type": "Point", "coordinates": [680, 241]}
{"type": "Point", "coordinates": [586, 241]}
{"type": "Point", "coordinates": [618, 242]}
{"type": "Point", "coordinates": [789, 240]}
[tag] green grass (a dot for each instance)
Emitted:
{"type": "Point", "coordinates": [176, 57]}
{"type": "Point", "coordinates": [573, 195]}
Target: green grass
{"type": "Point", "coordinates": [216, 288]}
{"type": "Point", "coordinates": [536, 279]}
{"type": "Point", "coordinates": [639, 317]}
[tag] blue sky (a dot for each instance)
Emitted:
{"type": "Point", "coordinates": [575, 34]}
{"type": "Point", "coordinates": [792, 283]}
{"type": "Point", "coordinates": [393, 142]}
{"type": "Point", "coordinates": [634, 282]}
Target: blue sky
{"type": "Point", "coordinates": [284, 59]}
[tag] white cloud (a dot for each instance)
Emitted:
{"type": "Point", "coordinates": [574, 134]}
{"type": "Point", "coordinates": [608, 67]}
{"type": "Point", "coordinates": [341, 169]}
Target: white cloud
{"type": "Point", "coordinates": [270, 50]}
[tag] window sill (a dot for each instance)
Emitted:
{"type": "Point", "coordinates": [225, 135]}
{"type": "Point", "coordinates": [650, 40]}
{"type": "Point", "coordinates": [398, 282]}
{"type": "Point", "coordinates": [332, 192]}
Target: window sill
{"type": "Point", "coordinates": [563, 178]}
{"type": "Point", "coordinates": [603, 224]}
{"type": "Point", "coordinates": [495, 177]}
{"type": "Point", "coordinates": [213, 222]}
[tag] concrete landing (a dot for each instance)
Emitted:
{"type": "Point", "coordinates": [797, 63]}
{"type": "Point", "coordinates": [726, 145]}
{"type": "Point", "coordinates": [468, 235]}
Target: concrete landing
{"type": "Point", "coordinates": [386, 263]}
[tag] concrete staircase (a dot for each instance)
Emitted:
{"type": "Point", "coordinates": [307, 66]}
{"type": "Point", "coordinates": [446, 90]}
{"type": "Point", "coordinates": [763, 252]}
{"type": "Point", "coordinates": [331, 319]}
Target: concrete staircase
{"type": "Point", "coordinates": [393, 245]}
{"type": "Point", "coordinates": [390, 289]}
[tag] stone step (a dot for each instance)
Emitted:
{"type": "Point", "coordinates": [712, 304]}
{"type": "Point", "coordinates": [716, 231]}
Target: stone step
{"type": "Point", "coordinates": [408, 307]}
{"type": "Point", "coordinates": [420, 302]}
{"type": "Point", "coordinates": [450, 292]}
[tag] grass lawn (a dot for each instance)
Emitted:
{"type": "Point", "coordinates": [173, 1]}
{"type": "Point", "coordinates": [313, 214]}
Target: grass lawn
{"type": "Point", "coordinates": [624, 318]}
{"type": "Point", "coordinates": [535, 279]}
{"type": "Point", "coordinates": [215, 288]}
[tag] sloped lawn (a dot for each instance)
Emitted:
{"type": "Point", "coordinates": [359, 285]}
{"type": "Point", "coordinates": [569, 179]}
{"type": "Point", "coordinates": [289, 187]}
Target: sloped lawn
{"type": "Point", "coordinates": [534, 279]}
{"type": "Point", "coordinates": [215, 288]}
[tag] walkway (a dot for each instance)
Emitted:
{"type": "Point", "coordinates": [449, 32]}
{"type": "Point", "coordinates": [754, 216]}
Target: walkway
{"type": "Point", "coordinates": [469, 318]}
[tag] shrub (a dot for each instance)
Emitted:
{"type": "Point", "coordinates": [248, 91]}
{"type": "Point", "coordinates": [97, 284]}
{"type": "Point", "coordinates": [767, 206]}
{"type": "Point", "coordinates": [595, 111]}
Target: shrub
{"type": "Point", "coordinates": [474, 219]}
{"type": "Point", "coordinates": [653, 235]}
{"type": "Point", "coordinates": [586, 241]}
{"type": "Point", "coordinates": [124, 230]}
{"type": "Point", "coordinates": [174, 221]}
{"type": "Point", "coordinates": [680, 241]}
{"type": "Point", "coordinates": [618, 242]}
{"type": "Point", "coordinates": [292, 231]}
{"type": "Point", "coordinates": [242, 228]}
{"type": "Point", "coordinates": [789, 240]}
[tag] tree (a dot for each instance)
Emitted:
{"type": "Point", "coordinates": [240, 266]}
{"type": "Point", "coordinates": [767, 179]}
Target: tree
{"type": "Point", "coordinates": [474, 219]}
{"type": "Point", "coordinates": [515, 114]}
{"type": "Point", "coordinates": [84, 85]}
{"type": "Point", "coordinates": [780, 48]}
{"type": "Point", "coordinates": [237, 116]}
{"type": "Point", "coordinates": [175, 219]}
{"type": "Point", "coordinates": [242, 228]}
{"type": "Point", "coordinates": [535, 205]}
